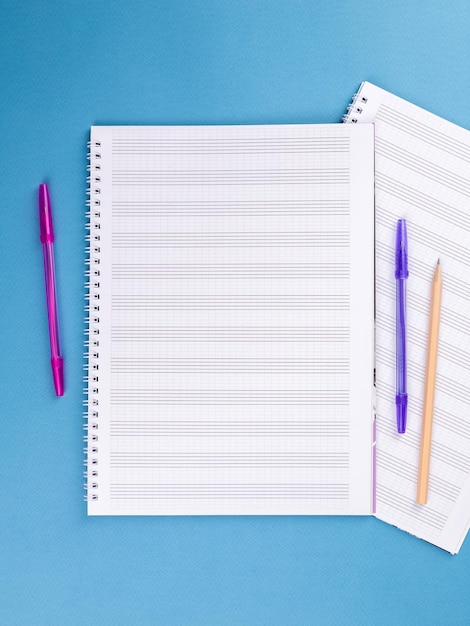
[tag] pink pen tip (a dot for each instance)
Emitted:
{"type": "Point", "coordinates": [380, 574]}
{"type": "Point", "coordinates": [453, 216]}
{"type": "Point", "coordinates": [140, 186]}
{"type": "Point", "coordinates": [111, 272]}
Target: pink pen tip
{"type": "Point", "coordinates": [58, 374]}
{"type": "Point", "coordinates": [46, 228]}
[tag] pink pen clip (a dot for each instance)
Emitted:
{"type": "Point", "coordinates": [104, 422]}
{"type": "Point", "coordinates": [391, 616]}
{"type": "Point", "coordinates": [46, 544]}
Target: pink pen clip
{"type": "Point", "coordinates": [47, 239]}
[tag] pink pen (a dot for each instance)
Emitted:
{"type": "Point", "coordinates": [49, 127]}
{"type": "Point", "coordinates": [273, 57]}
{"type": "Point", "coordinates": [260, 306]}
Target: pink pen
{"type": "Point", "coordinates": [47, 239]}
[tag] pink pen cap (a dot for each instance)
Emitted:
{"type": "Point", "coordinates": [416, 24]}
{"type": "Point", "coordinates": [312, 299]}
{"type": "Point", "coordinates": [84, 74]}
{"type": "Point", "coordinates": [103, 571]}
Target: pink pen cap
{"type": "Point", "coordinates": [46, 227]}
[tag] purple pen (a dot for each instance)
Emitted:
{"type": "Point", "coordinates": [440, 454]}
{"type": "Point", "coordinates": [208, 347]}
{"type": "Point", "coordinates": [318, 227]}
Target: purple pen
{"type": "Point", "coordinates": [47, 240]}
{"type": "Point", "coordinates": [401, 274]}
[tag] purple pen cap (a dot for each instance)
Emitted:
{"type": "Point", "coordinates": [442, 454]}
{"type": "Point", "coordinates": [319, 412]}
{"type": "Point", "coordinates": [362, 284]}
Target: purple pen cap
{"type": "Point", "coordinates": [46, 229]}
{"type": "Point", "coordinates": [401, 251]}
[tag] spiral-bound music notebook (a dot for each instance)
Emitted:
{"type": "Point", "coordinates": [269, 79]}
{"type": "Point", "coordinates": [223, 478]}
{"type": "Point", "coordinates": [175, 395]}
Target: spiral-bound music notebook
{"type": "Point", "coordinates": [423, 175]}
{"type": "Point", "coordinates": [230, 362]}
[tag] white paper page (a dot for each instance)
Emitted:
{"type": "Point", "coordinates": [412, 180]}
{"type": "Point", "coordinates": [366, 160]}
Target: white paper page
{"type": "Point", "coordinates": [422, 175]}
{"type": "Point", "coordinates": [235, 320]}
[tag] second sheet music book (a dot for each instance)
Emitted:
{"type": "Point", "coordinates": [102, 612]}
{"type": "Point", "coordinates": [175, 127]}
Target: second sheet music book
{"type": "Point", "coordinates": [231, 320]}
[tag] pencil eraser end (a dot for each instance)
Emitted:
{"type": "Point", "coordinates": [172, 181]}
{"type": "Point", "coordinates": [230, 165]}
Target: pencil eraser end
{"type": "Point", "coordinates": [402, 404]}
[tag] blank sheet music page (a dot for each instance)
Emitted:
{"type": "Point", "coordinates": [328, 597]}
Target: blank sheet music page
{"type": "Point", "coordinates": [235, 320]}
{"type": "Point", "coordinates": [423, 175]}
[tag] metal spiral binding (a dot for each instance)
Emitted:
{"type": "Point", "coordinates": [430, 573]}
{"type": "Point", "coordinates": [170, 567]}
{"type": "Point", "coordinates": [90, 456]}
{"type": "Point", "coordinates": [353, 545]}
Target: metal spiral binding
{"type": "Point", "coordinates": [355, 108]}
{"type": "Point", "coordinates": [92, 322]}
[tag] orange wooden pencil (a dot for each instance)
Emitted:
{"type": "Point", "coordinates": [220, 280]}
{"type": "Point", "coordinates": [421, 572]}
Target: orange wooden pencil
{"type": "Point", "coordinates": [428, 405]}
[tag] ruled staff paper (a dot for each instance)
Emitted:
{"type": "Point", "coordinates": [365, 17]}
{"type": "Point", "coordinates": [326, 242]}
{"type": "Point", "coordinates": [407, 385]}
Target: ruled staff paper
{"type": "Point", "coordinates": [423, 175]}
{"type": "Point", "coordinates": [235, 320]}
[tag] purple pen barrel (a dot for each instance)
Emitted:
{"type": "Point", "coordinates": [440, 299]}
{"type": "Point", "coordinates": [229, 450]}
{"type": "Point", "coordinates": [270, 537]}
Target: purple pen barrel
{"type": "Point", "coordinates": [401, 398]}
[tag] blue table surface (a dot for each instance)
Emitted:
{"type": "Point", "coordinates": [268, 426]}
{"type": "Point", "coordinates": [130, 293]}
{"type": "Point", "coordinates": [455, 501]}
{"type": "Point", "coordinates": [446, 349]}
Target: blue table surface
{"type": "Point", "coordinates": [68, 64]}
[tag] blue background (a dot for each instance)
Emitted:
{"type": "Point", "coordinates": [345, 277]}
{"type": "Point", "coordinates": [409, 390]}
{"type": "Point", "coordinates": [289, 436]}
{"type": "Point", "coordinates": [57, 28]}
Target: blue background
{"type": "Point", "coordinates": [71, 63]}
